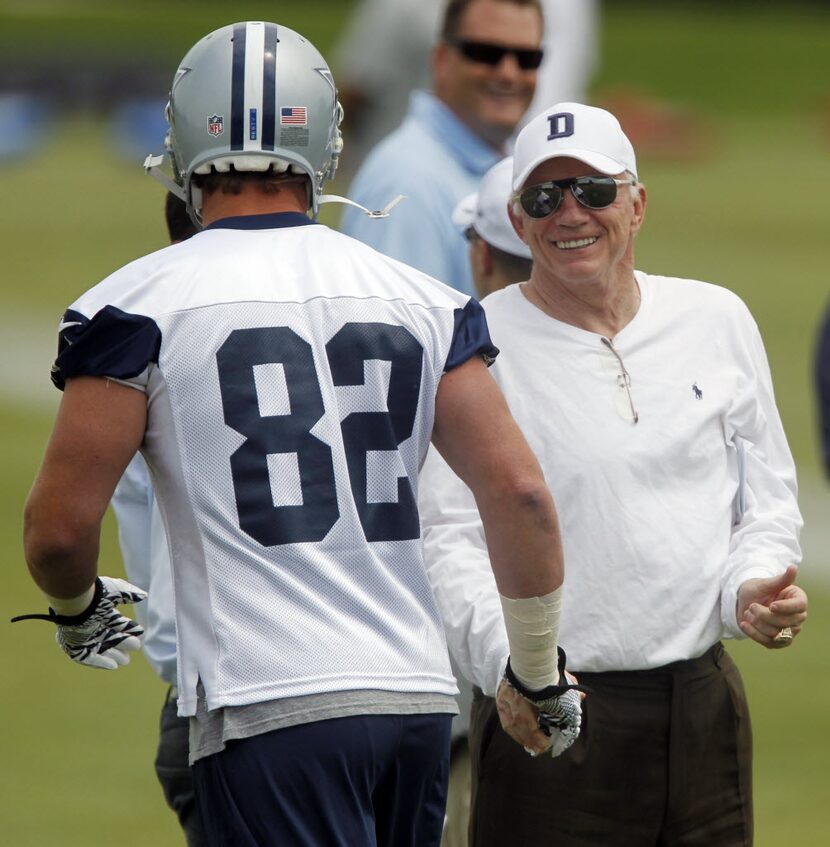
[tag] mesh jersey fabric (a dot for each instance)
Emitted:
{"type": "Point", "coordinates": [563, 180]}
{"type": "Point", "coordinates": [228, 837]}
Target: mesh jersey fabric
{"type": "Point", "coordinates": [291, 374]}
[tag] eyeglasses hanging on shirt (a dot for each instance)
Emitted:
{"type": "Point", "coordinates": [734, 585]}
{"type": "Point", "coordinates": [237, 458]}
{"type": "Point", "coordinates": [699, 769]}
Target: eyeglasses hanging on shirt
{"type": "Point", "coordinates": [624, 385]}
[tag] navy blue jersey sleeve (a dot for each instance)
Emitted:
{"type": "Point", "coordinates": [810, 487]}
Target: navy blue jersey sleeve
{"type": "Point", "coordinates": [470, 337]}
{"type": "Point", "coordinates": [113, 343]}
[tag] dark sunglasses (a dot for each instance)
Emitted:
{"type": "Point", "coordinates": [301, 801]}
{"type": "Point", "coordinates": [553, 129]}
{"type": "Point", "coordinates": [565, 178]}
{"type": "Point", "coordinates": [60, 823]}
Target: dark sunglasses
{"type": "Point", "coordinates": [492, 54]}
{"type": "Point", "coordinates": [593, 192]}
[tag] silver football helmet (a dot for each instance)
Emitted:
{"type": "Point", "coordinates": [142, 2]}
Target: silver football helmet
{"type": "Point", "coordinates": [254, 96]}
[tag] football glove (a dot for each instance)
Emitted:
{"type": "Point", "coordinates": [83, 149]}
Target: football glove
{"type": "Point", "coordinates": [100, 636]}
{"type": "Point", "coordinates": [560, 708]}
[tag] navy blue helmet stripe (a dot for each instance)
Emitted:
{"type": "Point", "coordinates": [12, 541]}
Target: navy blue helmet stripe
{"type": "Point", "coordinates": [238, 88]}
{"type": "Point", "coordinates": [269, 87]}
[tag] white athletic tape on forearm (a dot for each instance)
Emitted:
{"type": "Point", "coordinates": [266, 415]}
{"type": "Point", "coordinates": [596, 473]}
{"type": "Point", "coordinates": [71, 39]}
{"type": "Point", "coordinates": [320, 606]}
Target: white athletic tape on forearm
{"type": "Point", "coordinates": [533, 633]}
{"type": "Point", "coordinates": [71, 606]}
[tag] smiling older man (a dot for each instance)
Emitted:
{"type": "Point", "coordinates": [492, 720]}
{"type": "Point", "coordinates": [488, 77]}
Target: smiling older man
{"type": "Point", "coordinates": [484, 76]}
{"type": "Point", "coordinates": [648, 400]}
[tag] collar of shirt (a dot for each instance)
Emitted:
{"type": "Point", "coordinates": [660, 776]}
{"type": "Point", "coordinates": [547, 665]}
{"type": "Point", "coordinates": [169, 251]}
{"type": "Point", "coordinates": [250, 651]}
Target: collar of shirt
{"type": "Point", "coordinates": [472, 152]}
{"type": "Point", "coordinates": [276, 220]}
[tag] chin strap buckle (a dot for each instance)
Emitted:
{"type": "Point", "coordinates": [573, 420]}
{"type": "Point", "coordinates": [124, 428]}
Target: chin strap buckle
{"type": "Point", "coordinates": [375, 215]}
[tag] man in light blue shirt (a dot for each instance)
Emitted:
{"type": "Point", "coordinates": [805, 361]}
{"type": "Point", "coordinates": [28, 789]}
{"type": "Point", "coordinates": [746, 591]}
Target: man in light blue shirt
{"type": "Point", "coordinates": [484, 76]}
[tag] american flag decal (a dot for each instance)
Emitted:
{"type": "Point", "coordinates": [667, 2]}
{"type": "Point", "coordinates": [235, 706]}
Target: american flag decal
{"type": "Point", "coordinates": [293, 116]}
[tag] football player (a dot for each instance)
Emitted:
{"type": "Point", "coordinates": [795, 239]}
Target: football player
{"type": "Point", "coordinates": [283, 383]}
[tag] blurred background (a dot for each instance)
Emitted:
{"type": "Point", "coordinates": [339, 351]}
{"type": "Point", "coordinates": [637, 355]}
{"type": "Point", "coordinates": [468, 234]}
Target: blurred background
{"type": "Point", "coordinates": [728, 106]}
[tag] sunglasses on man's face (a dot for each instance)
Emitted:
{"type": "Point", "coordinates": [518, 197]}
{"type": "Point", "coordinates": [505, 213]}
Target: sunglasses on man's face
{"type": "Point", "coordinates": [492, 54]}
{"type": "Point", "coordinates": [593, 192]}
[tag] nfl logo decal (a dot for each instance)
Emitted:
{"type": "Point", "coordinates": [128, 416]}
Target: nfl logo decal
{"type": "Point", "coordinates": [215, 125]}
{"type": "Point", "coordinates": [293, 116]}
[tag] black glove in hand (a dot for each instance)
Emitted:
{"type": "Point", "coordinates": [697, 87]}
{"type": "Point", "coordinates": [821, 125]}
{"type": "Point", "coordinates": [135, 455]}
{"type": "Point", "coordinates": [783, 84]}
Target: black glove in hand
{"type": "Point", "coordinates": [100, 636]}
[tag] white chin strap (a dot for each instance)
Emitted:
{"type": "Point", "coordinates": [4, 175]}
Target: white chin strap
{"type": "Point", "coordinates": [378, 213]}
{"type": "Point", "coordinates": [152, 167]}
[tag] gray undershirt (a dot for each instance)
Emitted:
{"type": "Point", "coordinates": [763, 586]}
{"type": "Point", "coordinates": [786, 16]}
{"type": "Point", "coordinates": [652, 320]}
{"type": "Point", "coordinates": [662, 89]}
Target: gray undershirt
{"type": "Point", "coordinates": [209, 731]}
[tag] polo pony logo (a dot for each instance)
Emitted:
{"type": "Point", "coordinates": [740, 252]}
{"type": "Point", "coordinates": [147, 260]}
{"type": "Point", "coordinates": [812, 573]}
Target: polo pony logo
{"type": "Point", "coordinates": [698, 392]}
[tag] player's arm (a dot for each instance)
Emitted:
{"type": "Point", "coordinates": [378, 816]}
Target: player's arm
{"type": "Point", "coordinates": [98, 428]}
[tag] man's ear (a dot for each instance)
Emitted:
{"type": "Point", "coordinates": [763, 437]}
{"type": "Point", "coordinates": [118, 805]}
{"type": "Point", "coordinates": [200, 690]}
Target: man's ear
{"type": "Point", "coordinates": [639, 210]}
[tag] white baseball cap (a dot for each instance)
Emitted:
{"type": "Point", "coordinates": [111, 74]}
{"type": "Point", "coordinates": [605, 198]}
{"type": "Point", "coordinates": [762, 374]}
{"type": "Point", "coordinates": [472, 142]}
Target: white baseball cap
{"type": "Point", "coordinates": [486, 211]}
{"type": "Point", "coordinates": [575, 131]}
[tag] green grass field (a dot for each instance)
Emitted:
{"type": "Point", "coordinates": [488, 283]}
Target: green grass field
{"type": "Point", "coordinates": [748, 213]}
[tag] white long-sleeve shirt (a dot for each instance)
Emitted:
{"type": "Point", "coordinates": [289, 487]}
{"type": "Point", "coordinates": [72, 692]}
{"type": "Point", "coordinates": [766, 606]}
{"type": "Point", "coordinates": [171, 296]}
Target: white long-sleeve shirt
{"type": "Point", "coordinates": [654, 552]}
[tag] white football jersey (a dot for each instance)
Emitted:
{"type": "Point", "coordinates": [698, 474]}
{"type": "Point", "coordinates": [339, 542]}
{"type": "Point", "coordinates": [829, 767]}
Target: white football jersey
{"type": "Point", "coordinates": [291, 374]}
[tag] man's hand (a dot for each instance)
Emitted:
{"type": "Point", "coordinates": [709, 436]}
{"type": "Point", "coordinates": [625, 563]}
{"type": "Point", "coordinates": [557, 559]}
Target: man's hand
{"type": "Point", "coordinates": [766, 606]}
{"type": "Point", "coordinates": [520, 719]}
{"type": "Point", "coordinates": [100, 636]}
{"type": "Point", "coordinates": [541, 720]}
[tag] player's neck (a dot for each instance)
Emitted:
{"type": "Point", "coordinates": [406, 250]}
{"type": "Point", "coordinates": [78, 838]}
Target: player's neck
{"type": "Point", "coordinates": [290, 197]}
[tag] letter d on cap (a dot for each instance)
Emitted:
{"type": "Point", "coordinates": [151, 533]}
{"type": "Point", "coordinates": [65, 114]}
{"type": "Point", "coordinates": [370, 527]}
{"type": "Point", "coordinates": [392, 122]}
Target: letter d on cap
{"type": "Point", "coordinates": [561, 125]}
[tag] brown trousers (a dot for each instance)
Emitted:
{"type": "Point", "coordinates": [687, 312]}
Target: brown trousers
{"type": "Point", "coordinates": [664, 759]}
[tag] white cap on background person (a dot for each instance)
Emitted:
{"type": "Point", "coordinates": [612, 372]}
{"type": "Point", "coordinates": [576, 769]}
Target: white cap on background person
{"type": "Point", "coordinates": [574, 131]}
{"type": "Point", "coordinates": [486, 211]}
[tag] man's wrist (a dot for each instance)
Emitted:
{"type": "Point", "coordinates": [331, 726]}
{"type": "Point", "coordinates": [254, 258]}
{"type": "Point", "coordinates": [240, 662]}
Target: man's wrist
{"type": "Point", "coordinates": [536, 695]}
{"type": "Point", "coordinates": [72, 606]}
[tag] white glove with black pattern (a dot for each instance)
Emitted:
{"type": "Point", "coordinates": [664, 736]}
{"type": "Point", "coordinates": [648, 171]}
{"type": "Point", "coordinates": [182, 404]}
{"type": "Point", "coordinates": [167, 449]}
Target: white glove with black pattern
{"type": "Point", "coordinates": [100, 636]}
{"type": "Point", "coordinates": [560, 707]}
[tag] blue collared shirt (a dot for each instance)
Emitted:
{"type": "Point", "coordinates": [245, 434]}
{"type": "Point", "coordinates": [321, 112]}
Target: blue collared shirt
{"type": "Point", "coordinates": [434, 160]}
